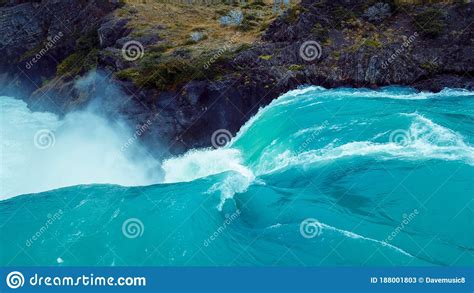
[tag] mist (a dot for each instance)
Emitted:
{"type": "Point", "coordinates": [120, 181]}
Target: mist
{"type": "Point", "coordinates": [41, 151]}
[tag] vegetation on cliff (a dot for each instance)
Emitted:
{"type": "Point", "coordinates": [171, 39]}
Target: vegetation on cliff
{"type": "Point", "coordinates": [235, 57]}
{"type": "Point", "coordinates": [193, 40]}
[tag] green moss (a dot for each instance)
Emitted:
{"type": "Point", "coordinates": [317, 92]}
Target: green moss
{"type": "Point", "coordinates": [320, 31]}
{"type": "Point", "coordinates": [461, 2]}
{"type": "Point", "coordinates": [430, 22]}
{"type": "Point", "coordinates": [222, 12]}
{"type": "Point", "coordinates": [31, 53]}
{"type": "Point", "coordinates": [137, 34]}
{"type": "Point", "coordinates": [430, 66]}
{"type": "Point", "coordinates": [163, 75]}
{"type": "Point", "coordinates": [373, 42]}
{"type": "Point", "coordinates": [160, 48]}
{"type": "Point", "coordinates": [167, 71]}
{"type": "Point", "coordinates": [257, 4]}
{"type": "Point", "coordinates": [171, 73]}
{"type": "Point", "coordinates": [77, 63]}
{"type": "Point", "coordinates": [199, 29]}
{"type": "Point", "coordinates": [342, 15]}
{"type": "Point", "coordinates": [296, 67]}
{"type": "Point", "coordinates": [189, 42]}
{"type": "Point", "coordinates": [266, 57]}
{"type": "Point", "coordinates": [248, 25]}
{"type": "Point", "coordinates": [242, 47]}
{"type": "Point", "coordinates": [84, 58]}
{"type": "Point", "coordinates": [293, 14]}
{"type": "Point", "coordinates": [87, 41]}
{"type": "Point", "coordinates": [70, 66]}
{"type": "Point", "coordinates": [44, 81]}
{"type": "Point", "coordinates": [128, 74]}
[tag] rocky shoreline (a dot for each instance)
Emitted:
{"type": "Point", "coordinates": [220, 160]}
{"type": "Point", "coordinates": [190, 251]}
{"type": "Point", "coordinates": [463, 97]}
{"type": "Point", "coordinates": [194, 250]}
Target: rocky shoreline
{"type": "Point", "coordinates": [331, 44]}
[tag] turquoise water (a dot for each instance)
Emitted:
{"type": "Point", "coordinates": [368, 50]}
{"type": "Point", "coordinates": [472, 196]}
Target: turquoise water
{"type": "Point", "coordinates": [382, 177]}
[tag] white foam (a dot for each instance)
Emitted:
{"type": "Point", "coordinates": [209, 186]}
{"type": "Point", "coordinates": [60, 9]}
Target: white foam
{"type": "Point", "coordinates": [308, 96]}
{"type": "Point", "coordinates": [424, 140]}
{"type": "Point", "coordinates": [385, 92]}
{"type": "Point", "coordinates": [202, 163]}
{"type": "Point", "coordinates": [197, 164]}
{"type": "Point", "coordinates": [313, 130]}
{"type": "Point", "coordinates": [232, 184]}
{"type": "Point", "coordinates": [82, 148]}
{"type": "Point", "coordinates": [324, 228]}
{"type": "Point", "coordinates": [357, 236]}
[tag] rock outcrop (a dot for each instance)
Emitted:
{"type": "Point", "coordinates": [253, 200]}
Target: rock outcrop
{"type": "Point", "coordinates": [36, 35]}
{"type": "Point", "coordinates": [329, 43]}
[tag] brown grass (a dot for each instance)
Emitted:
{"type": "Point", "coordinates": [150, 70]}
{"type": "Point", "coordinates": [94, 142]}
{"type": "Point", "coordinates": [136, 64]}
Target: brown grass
{"type": "Point", "coordinates": [180, 20]}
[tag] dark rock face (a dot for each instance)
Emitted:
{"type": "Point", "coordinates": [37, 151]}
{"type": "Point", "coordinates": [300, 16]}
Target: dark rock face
{"type": "Point", "coordinates": [322, 43]}
{"type": "Point", "coordinates": [373, 60]}
{"type": "Point", "coordinates": [21, 30]}
{"type": "Point", "coordinates": [379, 58]}
{"type": "Point", "coordinates": [25, 26]}
{"type": "Point", "coordinates": [112, 30]}
{"type": "Point", "coordinates": [27, 31]}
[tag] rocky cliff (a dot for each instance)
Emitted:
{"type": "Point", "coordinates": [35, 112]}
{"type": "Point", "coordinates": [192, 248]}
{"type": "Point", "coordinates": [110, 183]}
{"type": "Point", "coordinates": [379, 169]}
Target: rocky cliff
{"type": "Point", "coordinates": [187, 98]}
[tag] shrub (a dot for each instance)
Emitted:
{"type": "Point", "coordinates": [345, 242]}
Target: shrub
{"type": "Point", "coordinates": [341, 15]}
{"type": "Point", "coordinates": [234, 18]}
{"type": "Point", "coordinates": [77, 63]}
{"type": "Point", "coordinates": [196, 36]}
{"type": "Point", "coordinates": [430, 67]}
{"type": "Point", "coordinates": [292, 14]}
{"type": "Point", "coordinates": [84, 58]}
{"type": "Point", "coordinates": [321, 32]}
{"type": "Point", "coordinates": [257, 4]}
{"type": "Point", "coordinates": [165, 75]}
{"type": "Point", "coordinates": [377, 12]}
{"type": "Point", "coordinates": [430, 22]}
